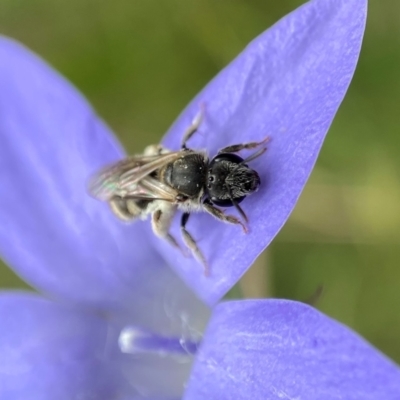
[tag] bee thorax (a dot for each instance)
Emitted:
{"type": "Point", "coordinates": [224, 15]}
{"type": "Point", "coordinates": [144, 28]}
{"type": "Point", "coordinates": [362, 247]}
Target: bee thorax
{"type": "Point", "coordinates": [187, 174]}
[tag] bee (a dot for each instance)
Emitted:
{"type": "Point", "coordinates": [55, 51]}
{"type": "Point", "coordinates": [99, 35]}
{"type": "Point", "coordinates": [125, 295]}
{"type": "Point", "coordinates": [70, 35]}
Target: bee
{"type": "Point", "coordinates": [160, 182]}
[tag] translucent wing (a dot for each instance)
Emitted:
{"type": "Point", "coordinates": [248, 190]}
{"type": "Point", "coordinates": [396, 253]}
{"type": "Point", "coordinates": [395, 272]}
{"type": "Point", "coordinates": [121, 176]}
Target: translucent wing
{"type": "Point", "coordinates": [127, 177]}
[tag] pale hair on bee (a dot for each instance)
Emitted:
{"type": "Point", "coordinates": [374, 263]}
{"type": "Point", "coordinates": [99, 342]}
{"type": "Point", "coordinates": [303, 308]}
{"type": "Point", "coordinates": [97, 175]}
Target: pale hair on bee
{"type": "Point", "coordinates": [160, 182]}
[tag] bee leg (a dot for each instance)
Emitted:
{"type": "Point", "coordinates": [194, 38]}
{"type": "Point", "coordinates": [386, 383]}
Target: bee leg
{"type": "Point", "coordinates": [155, 150]}
{"type": "Point", "coordinates": [191, 243]}
{"type": "Point", "coordinates": [161, 222]}
{"type": "Point", "coordinates": [219, 214]}
{"type": "Point", "coordinates": [121, 210]}
{"type": "Point", "coordinates": [243, 146]}
{"type": "Point", "coordinates": [192, 129]}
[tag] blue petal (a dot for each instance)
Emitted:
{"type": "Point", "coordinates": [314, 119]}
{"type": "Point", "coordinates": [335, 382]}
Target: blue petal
{"type": "Point", "coordinates": [278, 349]}
{"type": "Point", "coordinates": [52, 232]}
{"type": "Point", "coordinates": [287, 84]}
{"type": "Point", "coordinates": [53, 352]}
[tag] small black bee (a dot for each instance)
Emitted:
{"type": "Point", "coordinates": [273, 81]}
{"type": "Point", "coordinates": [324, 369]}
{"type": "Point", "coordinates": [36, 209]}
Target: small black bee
{"type": "Point", "coordinates": [160, 182]}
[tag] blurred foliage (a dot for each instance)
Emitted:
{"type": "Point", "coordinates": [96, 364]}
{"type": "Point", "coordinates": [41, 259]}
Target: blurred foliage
{"type": "Point", "coordinates": [140, 62]}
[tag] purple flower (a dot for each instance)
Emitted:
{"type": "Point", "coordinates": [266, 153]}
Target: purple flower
{"type": "Point", "coordinates": [115, 322]}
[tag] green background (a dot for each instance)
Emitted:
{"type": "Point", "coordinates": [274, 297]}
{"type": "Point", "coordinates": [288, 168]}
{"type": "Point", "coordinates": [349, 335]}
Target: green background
{"type": "Point", "coordinates": [139, 62]}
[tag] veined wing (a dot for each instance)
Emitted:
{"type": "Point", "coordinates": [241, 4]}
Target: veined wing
{"type": "Point", "coordinates": [150, 188]}
{"type": "Point", "coordinates": [121, 178]}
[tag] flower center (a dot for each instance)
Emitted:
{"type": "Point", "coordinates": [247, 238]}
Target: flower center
{"type": "Point", "coordinates": [134, 340]}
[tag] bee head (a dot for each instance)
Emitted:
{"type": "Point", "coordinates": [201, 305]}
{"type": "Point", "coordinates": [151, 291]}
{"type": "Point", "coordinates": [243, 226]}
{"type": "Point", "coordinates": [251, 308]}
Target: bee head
{"type": "Point", "coordinates": [229, 180]}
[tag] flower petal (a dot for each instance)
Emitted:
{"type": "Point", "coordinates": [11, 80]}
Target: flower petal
{"type": "Point", "coordinates": [52, 352]}
{"type": "Point", "coordinates": [278, 349]}
{"type": "Point", "coordinates": [52, 232]}
{"type": "Point", "coordinates": [287, 84]}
